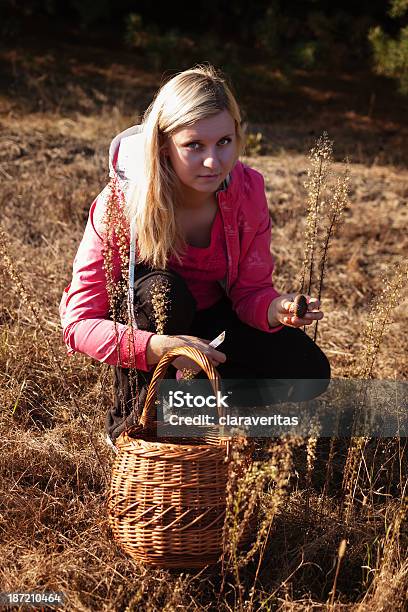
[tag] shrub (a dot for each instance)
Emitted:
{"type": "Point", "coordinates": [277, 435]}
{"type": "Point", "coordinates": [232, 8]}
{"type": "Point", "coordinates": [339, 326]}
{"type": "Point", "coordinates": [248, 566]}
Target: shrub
{"type": "Point", "coordinates": [391, 54]}
{"type": "Point", "coordinates": [161, 50]}
{"type": "Point", "coordinates": [254, 145]}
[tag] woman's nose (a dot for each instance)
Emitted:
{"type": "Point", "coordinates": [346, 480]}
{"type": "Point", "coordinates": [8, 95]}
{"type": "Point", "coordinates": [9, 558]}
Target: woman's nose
{"type": "Point", "coordinates": [211, 160]}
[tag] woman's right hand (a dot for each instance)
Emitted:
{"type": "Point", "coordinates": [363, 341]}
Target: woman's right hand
{"type": "Point", "coordinates": [159, 345]}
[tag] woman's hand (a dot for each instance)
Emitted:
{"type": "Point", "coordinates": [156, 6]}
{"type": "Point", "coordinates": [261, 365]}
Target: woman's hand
{"type": "Point", "coordinates": [159, 345]}
{"type": "Point", "coordinates": [281, 311]}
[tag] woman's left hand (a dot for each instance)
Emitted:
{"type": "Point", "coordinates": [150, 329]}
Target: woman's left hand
{"type": "Point", "coordinates": [281, 311]}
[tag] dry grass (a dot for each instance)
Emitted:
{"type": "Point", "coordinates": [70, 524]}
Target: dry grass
{"type": "Point", "coordinates": [53, 489]}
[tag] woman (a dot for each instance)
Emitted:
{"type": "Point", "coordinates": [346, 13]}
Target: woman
{"type": "Point", "coordinates": [199, 230]}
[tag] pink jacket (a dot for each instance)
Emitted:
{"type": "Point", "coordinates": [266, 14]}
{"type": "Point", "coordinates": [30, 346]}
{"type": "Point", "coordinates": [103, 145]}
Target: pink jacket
{"type": "Point", "coordinates": [84, 306]}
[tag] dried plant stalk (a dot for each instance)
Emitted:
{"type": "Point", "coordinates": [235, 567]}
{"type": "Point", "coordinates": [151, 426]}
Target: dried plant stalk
{"type": "Point", "coordinates": [390, 583]}
{"type": "Point", "coordinates": [340, 554]}
{"type": "Point", "coordinates": [244, 494]}
{"type": "Point", "coordinates": [116, 238]}
{"type": "Point", "coordinates": [329, 468]}
{"type": "Point", "coordinates": [187, 373]}
{"type": "Point", "coordinates": [159, 296]}
{"type": "Point", "coordinates": [320, 159]}
{"type": "Point", "coordinates": [336, 198]}
{"type": "Point", "coordinates": [336, 205]}
{"type": "Point", "coordinates": [379, 317]}
{"type": "Point", "coordinates": [14, 276]}
{"type": "Point", "coordinates": [310, 458]}
{"type": "Point", "coordinates": [350, 477]}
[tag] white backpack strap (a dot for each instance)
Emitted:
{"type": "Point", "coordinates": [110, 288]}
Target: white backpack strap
{"type": "Point", "coordinates": [132, 256]}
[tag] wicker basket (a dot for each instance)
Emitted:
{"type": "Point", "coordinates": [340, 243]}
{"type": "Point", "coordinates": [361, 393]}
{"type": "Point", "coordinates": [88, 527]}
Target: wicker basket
{"type": "Point", "coordinates": [167, 500]}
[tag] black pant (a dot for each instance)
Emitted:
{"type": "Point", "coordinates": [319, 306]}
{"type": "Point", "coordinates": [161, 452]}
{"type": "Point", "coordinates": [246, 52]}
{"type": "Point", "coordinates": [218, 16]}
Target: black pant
{"type": "Point", "coordinates": [251, 353]}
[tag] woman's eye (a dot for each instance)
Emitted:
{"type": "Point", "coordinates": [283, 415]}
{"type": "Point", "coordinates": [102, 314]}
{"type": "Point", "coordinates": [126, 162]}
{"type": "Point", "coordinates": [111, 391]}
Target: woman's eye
{"type": "Point", "coordinates": [194, 146]}
{"type": "Point", "coordinates": [227, 140]}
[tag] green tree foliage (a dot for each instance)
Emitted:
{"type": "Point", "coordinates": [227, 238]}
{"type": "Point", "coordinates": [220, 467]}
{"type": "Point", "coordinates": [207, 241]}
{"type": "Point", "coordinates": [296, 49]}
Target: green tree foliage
{"type": "Point", "coordinates": [305, 34]}
{"type": "Point", "coordinates": [398, 8]}
{"type": "Point", "coordinates": [391, 54]}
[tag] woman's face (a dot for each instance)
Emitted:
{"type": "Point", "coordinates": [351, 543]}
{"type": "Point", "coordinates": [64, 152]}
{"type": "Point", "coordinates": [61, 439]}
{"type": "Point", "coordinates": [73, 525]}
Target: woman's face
{"type": "Point", "coordinates": [203, 153]}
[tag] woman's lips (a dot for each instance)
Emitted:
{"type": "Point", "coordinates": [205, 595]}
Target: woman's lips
{"type": "Point", "coordinates": [209, 176]}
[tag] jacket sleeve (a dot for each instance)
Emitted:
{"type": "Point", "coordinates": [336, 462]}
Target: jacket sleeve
{"type": "Point", "coordinates": [253, 291]}
{"type": "Point", "coordinates": [84, 307]}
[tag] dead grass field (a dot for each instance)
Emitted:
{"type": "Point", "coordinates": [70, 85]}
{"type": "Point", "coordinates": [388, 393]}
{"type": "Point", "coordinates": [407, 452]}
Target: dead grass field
{"type": "Point", "coordinates": [53, 524]}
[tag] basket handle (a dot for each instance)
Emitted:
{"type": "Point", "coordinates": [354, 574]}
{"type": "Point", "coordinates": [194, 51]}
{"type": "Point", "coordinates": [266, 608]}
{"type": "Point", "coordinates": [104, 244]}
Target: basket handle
{"type": "Point", "coordinates": [197, 356]}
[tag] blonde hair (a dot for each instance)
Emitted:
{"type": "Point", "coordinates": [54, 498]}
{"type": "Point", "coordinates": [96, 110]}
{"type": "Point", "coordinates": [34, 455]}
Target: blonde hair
{"type": "Point", "coordinates": [189, 96]}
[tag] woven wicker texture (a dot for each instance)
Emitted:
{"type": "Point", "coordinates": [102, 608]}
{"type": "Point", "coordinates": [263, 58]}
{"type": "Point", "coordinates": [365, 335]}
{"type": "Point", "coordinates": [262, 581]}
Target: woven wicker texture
{"type": "Point", "coordinates": [167, 500]}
